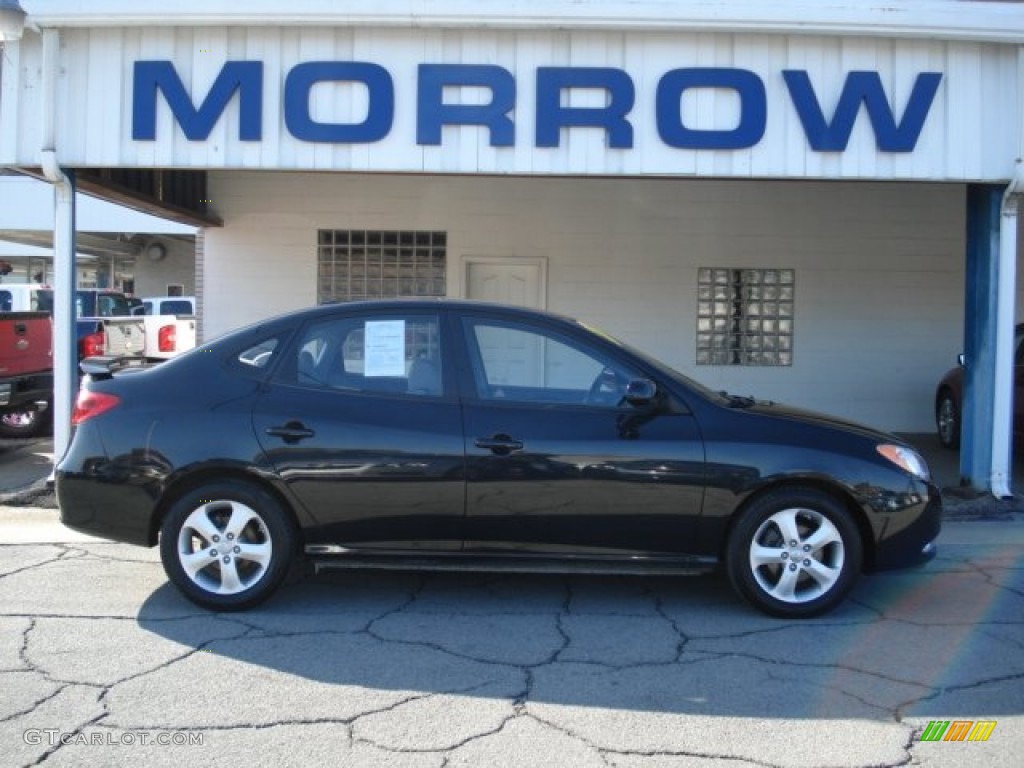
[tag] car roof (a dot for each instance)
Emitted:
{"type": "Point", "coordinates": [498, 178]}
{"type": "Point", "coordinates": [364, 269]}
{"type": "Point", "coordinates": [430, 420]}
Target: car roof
{"type": "Point", "coordinates": [275, 322]}
{"type": "Point", "coordinates": [433, 303]}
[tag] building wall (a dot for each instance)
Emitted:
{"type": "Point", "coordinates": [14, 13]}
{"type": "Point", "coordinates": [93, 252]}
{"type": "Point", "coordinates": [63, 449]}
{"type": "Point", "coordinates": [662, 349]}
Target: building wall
{"type": "Point", "coordinates": [178, 267]}
{"type": "Point", "coordinates": [879, 267]}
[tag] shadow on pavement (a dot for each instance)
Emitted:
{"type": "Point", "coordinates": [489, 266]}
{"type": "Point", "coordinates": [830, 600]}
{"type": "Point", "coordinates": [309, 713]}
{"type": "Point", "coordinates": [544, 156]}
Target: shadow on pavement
{"type": "Point", "coordinates": [668, 645]}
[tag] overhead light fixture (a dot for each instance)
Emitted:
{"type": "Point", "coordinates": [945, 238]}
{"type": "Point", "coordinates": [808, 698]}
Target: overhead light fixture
{"type": "Point", "coordinates": [156, 251]}
{"type": "Point", "coordinates": [12, 20]}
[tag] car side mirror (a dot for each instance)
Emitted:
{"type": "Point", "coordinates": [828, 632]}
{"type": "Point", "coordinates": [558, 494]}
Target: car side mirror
{"type": "Point", "coordinates": [640, 392]}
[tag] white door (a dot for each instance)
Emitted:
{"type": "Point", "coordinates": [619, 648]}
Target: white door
{"type": "Point", "coordinates": [506, 281]}
{"type": "Point", "coordinates": [512, 357]}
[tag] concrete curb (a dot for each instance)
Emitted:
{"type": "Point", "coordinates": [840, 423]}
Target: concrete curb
{"type": "Point", "coordinates": [962, 504]}
{"type": "Point", "coordinates": [38, 494]}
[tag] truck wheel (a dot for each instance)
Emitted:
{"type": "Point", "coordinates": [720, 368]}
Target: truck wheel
{"type": "Point", "coordinates": [24, 422]}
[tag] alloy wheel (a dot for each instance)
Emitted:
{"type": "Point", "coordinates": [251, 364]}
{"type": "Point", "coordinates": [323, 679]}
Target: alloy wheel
{"type": "Point", "coordinates": [225, 547]}
{"type": "Point", "coordinates": [797, 555]}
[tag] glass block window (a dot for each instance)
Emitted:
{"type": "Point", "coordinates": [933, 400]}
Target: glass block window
{"type": "Point", "coordinates": [363, 264]}
{"type": "Point", "coordinates": [745, 316]}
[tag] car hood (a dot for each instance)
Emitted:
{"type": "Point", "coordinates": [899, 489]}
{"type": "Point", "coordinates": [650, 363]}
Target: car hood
{"type": "Point", "coordinates": [789, 413]}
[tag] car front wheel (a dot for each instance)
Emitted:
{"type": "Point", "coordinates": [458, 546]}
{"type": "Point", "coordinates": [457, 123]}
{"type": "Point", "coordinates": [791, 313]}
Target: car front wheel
{"type": "Point", "coordinates": [947, 420]}
{"type": "Point", "coordinates": [794, 553]}
{"type": "Point", "coordinates": [227, 545]}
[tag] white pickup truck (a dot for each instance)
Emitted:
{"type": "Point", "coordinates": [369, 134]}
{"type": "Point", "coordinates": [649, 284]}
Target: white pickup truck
{"type": "Point", "coordinates": [170, 325]}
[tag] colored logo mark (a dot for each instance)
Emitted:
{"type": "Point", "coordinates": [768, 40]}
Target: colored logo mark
{"type": "Point", "coordinates": [958, 730]}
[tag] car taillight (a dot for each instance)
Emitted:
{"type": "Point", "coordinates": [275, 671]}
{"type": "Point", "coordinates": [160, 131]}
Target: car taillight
{"type": "Point", "coordinates": [91, 404]}
{"type": "Point", "coordinates": [92, 345]}
{"type": "Point", "coordinates": [168, 338]}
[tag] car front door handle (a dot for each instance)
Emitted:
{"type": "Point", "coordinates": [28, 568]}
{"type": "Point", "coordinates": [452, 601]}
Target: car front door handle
{"type": "Point", "coordinates": [500, 445]}
{"type": "Point", "coordinates": [291, 432]}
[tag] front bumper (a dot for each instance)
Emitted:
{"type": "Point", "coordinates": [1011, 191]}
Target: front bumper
{"type": "Point", "coordinates": [909, 539]}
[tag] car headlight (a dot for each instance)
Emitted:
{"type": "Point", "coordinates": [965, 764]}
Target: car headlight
{"type": "Point", "coordinates": [906, 459]}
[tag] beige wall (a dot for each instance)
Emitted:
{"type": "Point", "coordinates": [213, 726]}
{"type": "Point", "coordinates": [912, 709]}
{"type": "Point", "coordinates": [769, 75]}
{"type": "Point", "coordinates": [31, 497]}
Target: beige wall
{"type": "Point", "coordinates": [178, 267]}
{"type": "Point", "coordinates": [879, 267]}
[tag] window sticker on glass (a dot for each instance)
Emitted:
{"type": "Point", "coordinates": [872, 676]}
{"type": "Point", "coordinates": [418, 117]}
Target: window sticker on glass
{"type": "Point", "coordinates": [385, 348]}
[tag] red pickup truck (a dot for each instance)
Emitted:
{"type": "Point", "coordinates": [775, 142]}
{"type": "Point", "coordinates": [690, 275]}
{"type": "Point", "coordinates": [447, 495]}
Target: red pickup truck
{"type": "Point", "coordinates": [26, 373]}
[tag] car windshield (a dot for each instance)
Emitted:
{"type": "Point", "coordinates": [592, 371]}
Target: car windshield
{"type": "Point", "coordinates": [176, 307]}
{"type": "Point", "coordinates": [107, 304]}
{"type": "Point", "coordinates": [112, 305]}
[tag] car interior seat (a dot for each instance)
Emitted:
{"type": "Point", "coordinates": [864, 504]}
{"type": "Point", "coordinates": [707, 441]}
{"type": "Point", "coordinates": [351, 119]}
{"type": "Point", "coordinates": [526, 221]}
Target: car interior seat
{"type": "Point", "coordinates": [424, 377]}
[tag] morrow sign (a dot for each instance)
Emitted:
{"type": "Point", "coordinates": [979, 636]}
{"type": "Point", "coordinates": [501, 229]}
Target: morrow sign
{"type": "Point", "coordinates": [824, 133]}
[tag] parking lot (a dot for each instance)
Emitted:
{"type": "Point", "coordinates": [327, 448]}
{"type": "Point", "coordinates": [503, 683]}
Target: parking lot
{"type": "Point", "coordinates": [102, 663]}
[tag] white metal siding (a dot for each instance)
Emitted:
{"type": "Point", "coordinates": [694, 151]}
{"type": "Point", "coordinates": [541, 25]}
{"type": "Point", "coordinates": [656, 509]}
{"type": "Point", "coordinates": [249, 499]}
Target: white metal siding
{"type": "Point", "coordinates": [879, 267]}
{"type": "Point", "coordinates": [943, 19]}
{"type": "Point", "coordinates": [970, 133]}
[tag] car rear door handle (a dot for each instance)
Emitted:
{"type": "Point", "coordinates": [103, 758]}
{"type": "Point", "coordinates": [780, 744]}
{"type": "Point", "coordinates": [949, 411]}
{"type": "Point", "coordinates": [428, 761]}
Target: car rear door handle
{"type": "Point", "coordinates": [291, 432]}
{"type": "Point", "coordinates": [500, 445]}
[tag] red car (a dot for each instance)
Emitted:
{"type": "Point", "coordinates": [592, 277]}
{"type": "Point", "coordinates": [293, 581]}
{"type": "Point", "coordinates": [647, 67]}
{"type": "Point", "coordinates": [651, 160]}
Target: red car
{"type": "Point", "coordinates": [949, 398]}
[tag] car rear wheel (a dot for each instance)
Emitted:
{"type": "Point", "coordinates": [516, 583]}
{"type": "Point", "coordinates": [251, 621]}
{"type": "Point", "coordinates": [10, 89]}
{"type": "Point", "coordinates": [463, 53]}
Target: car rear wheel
{"type": "Point", "coordinates": [794, 553]}
{"type": "Point", "coordinates": [227, 545]}
{"type": "Point", "coordinates": [947, 420]}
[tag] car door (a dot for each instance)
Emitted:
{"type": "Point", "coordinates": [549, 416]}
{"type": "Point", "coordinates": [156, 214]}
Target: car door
{"type": "Point", "coordinates": [557, 460]}
{"type": "Point", "coordinates": [360, 422]}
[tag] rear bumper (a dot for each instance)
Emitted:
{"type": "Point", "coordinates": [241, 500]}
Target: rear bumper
{"type": "Point", "coordinates": [89, 507]}
{"type": "Point", "coordinates": [105, 497]}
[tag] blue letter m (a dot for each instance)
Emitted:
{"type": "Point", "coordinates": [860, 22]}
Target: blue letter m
{"type": "Point", "coordinates": [866, 88]}
{"type": "Point", "coordinates": [246, 77]}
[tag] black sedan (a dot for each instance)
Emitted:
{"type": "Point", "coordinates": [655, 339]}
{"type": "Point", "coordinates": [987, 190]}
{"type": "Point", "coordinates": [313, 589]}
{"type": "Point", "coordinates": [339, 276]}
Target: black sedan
{"type": "Point", "coordinates": [457, 435]}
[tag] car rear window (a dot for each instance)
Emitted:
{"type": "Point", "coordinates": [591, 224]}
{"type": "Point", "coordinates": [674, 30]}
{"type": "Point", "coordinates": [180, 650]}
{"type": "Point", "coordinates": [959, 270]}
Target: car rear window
{"type": "Point", "coordinates": [39, 301]}
{"type": "Point", "coordinates": [176, 308]}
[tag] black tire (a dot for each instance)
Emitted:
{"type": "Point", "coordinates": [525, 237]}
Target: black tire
{"type": "Point", "coordinates": [947, 420]}
{"type": "Point", "coordinates": [806, 575]}
{"type": "Point", "coordinates": [228, 522]}
{"type": "Point", "coordinates": [25, 422]}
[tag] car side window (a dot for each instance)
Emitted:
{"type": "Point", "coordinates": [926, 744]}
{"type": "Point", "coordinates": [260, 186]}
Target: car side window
{"type": "Point", "coordinates": [258, 356]}
{"type": "Point", "coordinates": [515, 362]}
{"type": "Point", "coordinates": [395, 353]}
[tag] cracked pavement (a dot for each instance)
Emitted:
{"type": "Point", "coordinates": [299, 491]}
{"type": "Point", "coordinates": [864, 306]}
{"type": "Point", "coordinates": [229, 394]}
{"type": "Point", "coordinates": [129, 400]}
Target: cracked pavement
{"type": "Point", "coordinates": [427, 669]}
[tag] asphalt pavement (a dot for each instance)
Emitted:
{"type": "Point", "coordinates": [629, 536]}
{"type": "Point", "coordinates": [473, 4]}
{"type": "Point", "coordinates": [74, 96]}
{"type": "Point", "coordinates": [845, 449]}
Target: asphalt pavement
{"type": "Point", "coordinates": [25, 465]}
{"type": "Point", "coordinates": [102, 663]}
